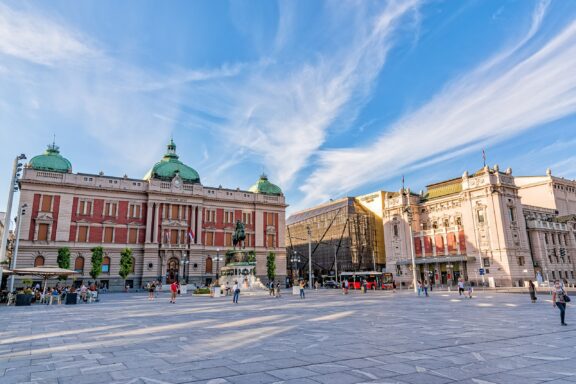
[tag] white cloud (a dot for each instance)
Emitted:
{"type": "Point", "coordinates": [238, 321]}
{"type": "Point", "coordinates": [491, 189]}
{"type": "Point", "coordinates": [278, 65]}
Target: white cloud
{"type": "Point", "coordinates": [505, 96]}
{"type": "Point", "coordinates": [39, 40]}
{"type": "Point", "coordinates": [282, 113]}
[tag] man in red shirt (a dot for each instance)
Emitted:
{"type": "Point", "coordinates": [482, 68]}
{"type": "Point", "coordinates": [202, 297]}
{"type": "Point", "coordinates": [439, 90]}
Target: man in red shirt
{"type": "Point", "coordinates": [173, 291]}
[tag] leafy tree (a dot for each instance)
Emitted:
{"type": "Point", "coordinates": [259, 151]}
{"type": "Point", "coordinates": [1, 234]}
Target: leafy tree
{"type": "Point", "coordinates": [126, 262]}
{"type": "Point", "coordinates": [271, 266]}
{"type": "Point", "coordinates": [97, 259]}
{"type": "Point", "coordinates": [63, 260]}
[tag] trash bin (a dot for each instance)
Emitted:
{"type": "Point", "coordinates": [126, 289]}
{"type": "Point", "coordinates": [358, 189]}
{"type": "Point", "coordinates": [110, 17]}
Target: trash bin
{"type": "Point", "coordinates": [71, 298]}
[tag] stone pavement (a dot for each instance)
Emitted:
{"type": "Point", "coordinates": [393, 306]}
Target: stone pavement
{"type": "Point", "coordinates": [379, 337]}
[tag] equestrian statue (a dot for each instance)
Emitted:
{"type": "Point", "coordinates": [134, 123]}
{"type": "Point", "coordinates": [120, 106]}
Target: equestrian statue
{"type": "Point", "coordinates": [239, 235]}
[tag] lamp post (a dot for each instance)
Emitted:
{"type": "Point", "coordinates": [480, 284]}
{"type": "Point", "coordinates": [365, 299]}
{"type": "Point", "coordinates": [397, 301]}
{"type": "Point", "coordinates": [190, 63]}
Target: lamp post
{"type": "Point", "coordinates": [217, 263]}
{"type": "Point", "coordinates": [186, 268]}
{"type": "Point", "coordinates": [309, 256]}
{"type": "Point", "coordinates": [21, 212]}
{"type": "Point", "coordinates": [13, 187]}
{"type": "Point", "coordinates": [336, 262]}
{"type": "Point", "coordinates": [295, 260]}
{"type": "Point", "coordinates": [408, 212]}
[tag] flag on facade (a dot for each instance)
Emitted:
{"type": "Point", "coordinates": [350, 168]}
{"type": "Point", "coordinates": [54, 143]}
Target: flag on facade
{"type": "Point", "coordinates": [167, 236]}
{"type": "Point", "coordinates": [484, 156]}
{"type": "Point", "coordinates": [191, 235]}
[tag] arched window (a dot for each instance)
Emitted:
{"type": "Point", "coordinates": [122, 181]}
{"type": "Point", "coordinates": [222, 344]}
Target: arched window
{"type": "Point", "coordinates": [133, 265]}
{"type": "Point", "coordinates": [79, 265]}
{"type": "Point", "coordinates": [39, 261]}
{"type": "Point", "coordinates": [208, 264]}
{"type": "Point", "coordinates": [106, 265]}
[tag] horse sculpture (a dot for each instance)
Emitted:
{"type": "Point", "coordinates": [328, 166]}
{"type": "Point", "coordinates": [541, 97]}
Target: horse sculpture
{"type": "Point", "coordinates": [239, 235]}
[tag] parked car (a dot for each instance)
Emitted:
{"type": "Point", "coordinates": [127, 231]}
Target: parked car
{"type": "Point", "coordinates": [331, 284]}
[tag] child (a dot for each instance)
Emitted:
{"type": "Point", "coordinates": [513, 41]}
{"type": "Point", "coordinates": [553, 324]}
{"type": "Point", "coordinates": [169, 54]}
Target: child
{"type": "Point", "coordinates": [470, 291]}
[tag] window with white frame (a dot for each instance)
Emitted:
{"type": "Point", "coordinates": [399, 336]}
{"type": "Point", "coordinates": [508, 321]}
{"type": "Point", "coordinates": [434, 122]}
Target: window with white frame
{"type": "Point", "coordinates": [228, 217]}
{"type": "Point", "coordinates": [84, 207]}
{"type": "Point", "coordinates": [247, 218]}
{"type": "Point", "coordinates": [110, 209]}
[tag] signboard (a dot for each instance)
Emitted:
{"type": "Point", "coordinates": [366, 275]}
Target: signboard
{"type": "Point", "coordinates": [481, 271]}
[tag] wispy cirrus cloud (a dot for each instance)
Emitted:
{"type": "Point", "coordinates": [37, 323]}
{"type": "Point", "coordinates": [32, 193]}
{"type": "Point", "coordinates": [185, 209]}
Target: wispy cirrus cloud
{"type": "Point", "coordinates": [283, 113]}
{"type": "Point", "coordinates": [519, 88]}
{"type": "Point", "coordinates": [31, 37]}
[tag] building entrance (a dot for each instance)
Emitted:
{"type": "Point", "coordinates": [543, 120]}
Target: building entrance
{"type": "Point", "coordinates": [172, 270]}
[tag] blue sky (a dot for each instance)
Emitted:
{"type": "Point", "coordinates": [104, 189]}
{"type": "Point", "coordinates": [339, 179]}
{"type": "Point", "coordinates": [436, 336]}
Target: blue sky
{"type": "Point", "coordinates": [328, 98]}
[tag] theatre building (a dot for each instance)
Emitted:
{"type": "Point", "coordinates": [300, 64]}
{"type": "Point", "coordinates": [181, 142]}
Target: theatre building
{"type": "Point", "coordinates": [489, 225]}
{"type": "Point", "coordinates": [177, 228]}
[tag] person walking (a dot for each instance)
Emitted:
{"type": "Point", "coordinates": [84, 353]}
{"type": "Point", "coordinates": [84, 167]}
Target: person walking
{"type": "Point", "coordinates": [236, 290]}
{"type": "Point", "coordinates": [532, 290]}
{"type": "Point", "coordinates": [559, 300]}
{"type": "Point", "coordinates": [173, 291]}
{"type": "Point", "coordinates": [345, 287]}
{"type": "Point", "coordinates": [278, 290]}
{"type": "Point", "coordinates": [302, 294]}
{"type": "Point", "coordinates": [425, 287]}
{"type": "Point", "coordinates": [419, 286]}
{"type": "Point", "coordinates": [271, 288]}
{"type": "Point", "coordinates": [460, 286]}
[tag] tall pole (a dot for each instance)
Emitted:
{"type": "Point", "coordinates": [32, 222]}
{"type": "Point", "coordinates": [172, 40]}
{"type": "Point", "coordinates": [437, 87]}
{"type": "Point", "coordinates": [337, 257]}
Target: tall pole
{"type": "Point", "coordinates": [21, 211]}
{"type": "Point", "coordinates": [408, 211]}
{"type": "Point", "coordinates": [336, 261]}
{"type": "Point", "coordinates": [217, 263]}
{"type": "Point", "coordinates": [309, 256]}
{"type": "Point", "coordinates": [373, 260]}
{"type": "Point", "coordinates": [17, 167]}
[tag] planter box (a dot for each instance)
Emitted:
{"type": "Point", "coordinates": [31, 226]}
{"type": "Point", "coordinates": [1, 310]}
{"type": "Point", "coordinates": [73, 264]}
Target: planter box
{"type": "Point", "coordinates": [71, 298]}
{"type": "Point", "coordinates": [23, 299]}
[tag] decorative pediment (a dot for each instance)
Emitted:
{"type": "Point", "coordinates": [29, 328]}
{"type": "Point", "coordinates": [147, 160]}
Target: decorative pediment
{"type": "Point", "coordinates": [174, 223]}
{"type": "Point", "coordinates": [44, 216]}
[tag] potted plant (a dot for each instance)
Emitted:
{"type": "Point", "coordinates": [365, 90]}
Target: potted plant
{"type": "Point", "coordinates": [25, 296]}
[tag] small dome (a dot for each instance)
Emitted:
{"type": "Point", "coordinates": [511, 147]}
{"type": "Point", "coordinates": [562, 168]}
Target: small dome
{"type": "Point", "coordinates": [266, 187]}
{"type": "Point", "coordinates": [169, 166]}
{"type": "Point", "coordinates": [51, 160]}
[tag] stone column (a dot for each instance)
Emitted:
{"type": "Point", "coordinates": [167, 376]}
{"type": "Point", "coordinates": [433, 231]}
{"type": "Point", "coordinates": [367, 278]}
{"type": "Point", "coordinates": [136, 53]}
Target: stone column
{"type": "Point", "coordinates": [193, 223]}
{"type": "Point", "coordinates": [156, 222]}
{"type": "Point", "coordinates": [199, 228]}
{"type": "Point", "coordinates": [148, 222]}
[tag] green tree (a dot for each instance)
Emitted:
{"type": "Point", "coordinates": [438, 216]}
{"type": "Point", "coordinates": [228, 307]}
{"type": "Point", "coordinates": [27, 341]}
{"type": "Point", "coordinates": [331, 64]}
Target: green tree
{"type": "Point", "coordinates": [271, 266]}
{"type": "Point", "coordinates": [63, 260]}
{"type": "Point", "coordinates": [97, 258]}
{"type": "Point", "coordinates": [126, 262]}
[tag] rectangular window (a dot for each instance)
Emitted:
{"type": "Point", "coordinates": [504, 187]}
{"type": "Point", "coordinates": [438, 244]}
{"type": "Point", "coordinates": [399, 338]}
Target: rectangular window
{"type": "Point", "coordinates": [553, 275]}
{"type": "Point", "coordinates": [134, 211]}
{"type": "Point", "coordinates": [46, 203]}
{"type": "Point", "coordinates": [210, 216]}
{"type": "Point", "coordinates": [270, 243]}
{"type": "Point", "coordinates": [270, 219]}
{"type": "Point", "coordinates": [512, 214]}
{"type": "Point", "coordinates": [486, 262]}
{"type": "Point", "coordinates": [110, 209]}
{"type": "Point", "coordinates": [209, 238]}
{"type": "Point", "coordinates": [174, 236]}
{"type": "Point", "coordinates": [133, 235]}
{"type": "Point", "coordinates": [82, 234]}
{"type": "Point", "coordinates": [42, 231]}
{"type": "Point", "coordinates": [229, 217]}
{"type": "Point", "coordinates": [174, 211]}
{"type": "Point", "coordinates": [85, 207]}
{"type": "Point", "coordinates": [108, 235]}
{"type": "Point", "coordinates": [521, 260]}
{"type": "Point", "coordinates": [247, 218]}
{"type": "Point", "coordinates": [480, 216]}
{"type": "Point", "coordinates": [227, 239]}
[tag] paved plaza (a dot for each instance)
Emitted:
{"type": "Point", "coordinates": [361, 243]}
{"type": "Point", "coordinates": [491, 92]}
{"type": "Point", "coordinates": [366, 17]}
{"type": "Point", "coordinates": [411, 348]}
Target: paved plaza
{"type": "Point", "coordinates": [379, 337]}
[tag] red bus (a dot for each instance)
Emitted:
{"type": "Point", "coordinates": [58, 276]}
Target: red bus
{"type": "Point", "coordinates": [355, 279]}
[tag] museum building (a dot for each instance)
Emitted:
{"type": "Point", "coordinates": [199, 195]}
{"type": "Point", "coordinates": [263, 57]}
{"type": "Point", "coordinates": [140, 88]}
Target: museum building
{"type": "Point", "coordinates": [177, 228]}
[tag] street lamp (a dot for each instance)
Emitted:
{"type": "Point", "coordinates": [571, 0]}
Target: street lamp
{"type": "Point", "coordinates": [309, 256]}
{"type": "Point", "coordinates": [21, 212]}
{"type": "Point", "coordinates": [186, 268]}
{"type": "Point", "coordinates": [218, 259]}
{"type": "Point", "coordinates": [408, 212]}
{"type": "Point", "coordinates": [295, 260]}
{"type": "Point", "coordinates": [13, 187]}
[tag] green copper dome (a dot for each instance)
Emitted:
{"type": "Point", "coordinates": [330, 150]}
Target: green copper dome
{"type": "Point", "coordinates": [266, 187]}
{"type": "Point", "coordinates": [169, 166]}
{"type": "Point", "coordinates": [51, 160]}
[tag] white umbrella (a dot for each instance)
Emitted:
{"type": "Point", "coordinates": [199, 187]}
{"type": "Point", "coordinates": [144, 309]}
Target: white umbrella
{"type": "Point", "coordinates": [44, 272]}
